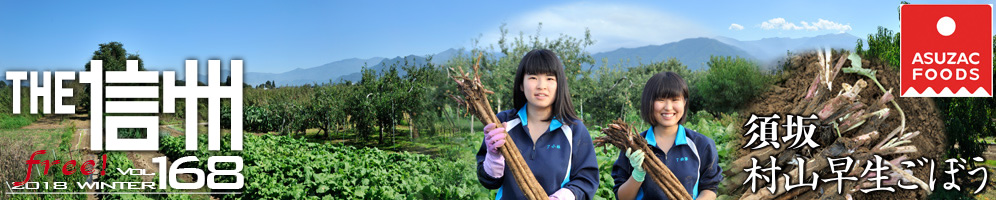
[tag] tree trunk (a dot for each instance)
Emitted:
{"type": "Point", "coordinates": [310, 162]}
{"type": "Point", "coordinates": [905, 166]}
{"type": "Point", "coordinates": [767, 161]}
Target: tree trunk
{"type": "Point", "coordinates": [411, 123]}
{"type": "Point", "coordinates": [452, 120]}
{"type": "Point", "coordinates": [582, 110]}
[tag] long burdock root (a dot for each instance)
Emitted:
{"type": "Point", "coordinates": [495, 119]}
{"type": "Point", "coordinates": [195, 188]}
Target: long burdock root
{"type": "Point", "coordinates": [477, 104]}
{"type": "Point", "coordinates": [621, 135]}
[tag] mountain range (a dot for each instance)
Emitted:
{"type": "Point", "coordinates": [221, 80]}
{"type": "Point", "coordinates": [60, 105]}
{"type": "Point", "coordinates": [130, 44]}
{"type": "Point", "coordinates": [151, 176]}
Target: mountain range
{"type": "Point", "coordinates": [693, 52]}
{"type": "Point", "coordinates": [770, 50]}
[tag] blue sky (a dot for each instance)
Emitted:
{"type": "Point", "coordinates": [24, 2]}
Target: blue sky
{"type": "Point", "coordinates": [280, 36]}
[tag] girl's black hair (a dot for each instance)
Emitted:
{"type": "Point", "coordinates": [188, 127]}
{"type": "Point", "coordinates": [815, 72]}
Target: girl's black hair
{"type": "Point", "coordinates": [543, 61]}
{"type": "Point", "coordinates": [662, 85]}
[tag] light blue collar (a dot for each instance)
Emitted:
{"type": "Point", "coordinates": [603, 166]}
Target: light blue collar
{"type": "Point", "coordinates": [554, 124]}
{"type": "Point", "coordinates": [679, 139]}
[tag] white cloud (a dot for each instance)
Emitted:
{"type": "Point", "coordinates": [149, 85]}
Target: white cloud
{"type": "Point", "coordinates": [735, 26]}
{"type": "Point", "coordinates": [821, 24]}
{"type": "Point", "coordinates": [829, 25]}
{"type": "Point", "coordinates": [612, 26]}
{"type": "Point", "coordinates": [778, 23]}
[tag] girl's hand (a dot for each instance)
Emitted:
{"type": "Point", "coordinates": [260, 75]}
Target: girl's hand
{"type": "Point", "coordinates": [562, 194]}
{"type": "Point", "coordinates": [494, 137]}
{"type": "Point", "coordinates": [494, 163]}
{"type": "Point", "coordinates": [636, 160]}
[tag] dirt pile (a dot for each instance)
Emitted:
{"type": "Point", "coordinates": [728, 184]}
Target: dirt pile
{"type": "Point", "coordinates": [789, 93]}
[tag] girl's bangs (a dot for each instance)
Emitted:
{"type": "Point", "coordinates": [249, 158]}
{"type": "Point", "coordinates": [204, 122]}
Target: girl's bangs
{"type": "Point", "coordinates": [541, 64]}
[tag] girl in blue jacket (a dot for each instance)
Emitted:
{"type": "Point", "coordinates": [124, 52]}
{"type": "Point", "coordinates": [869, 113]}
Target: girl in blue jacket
{"type": "Point", "coordinates": [552, 140]}
{"type": "Point", "coordinates": [690, 155]}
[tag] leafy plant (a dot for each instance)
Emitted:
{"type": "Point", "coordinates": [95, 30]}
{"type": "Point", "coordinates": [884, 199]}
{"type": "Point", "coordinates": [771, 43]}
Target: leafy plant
{"type": "Point", "coordinates": [729, 83]}
{"type": "Point", "coordinates": [282, 167]}
{"type": "Point", "coordinates": [883, 45]}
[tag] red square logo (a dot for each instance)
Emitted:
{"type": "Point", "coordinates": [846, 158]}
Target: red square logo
{"type": "Point", "coordinates": [946, 50]}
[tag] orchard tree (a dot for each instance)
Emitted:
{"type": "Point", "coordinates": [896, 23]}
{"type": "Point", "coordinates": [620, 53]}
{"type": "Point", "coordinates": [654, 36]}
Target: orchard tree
{"type": "Point", "coordinates": [361, 103]}
{"type": "Point", "coordinates": [498, 66]}
{"type": "Point", "coordinates": [114, 58]}
{"type": "Point", "coordinates": [413, 93]}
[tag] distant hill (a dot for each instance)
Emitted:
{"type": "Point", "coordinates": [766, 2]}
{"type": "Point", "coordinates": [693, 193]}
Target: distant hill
{"type": "Point", "coordinates": [770, 50]}
{"type": "Point", "coordinates": [693, 52]}
{"type": "Point", "coordinates": [319, 74]}
{"type": "Point", "coordinates": [442, 57]}
{"type": "Point", "coordinates": [348, 69]}
{"type": "Point", "coordinates": [411, 60]}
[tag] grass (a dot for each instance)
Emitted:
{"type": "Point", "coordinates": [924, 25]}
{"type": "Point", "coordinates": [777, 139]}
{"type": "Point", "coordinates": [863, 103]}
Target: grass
{"type": "Point", "coordinates": [44, 139]}
{"type": "Point", "coordinates": [57, 142]}
{"type": "Point", "coordinates": [16, 121]}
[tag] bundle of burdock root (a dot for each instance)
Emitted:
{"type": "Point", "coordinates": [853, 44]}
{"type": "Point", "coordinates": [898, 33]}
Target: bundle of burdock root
{"type": "Point", "coordinates": [847, 114]}
{"type": "Point", "coordinates": [621, 135]}
{"type": "Point", "coordinates": [475, 98]}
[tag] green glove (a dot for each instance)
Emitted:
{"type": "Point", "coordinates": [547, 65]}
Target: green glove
{"type": "Point", "coordinates": [636, 160]}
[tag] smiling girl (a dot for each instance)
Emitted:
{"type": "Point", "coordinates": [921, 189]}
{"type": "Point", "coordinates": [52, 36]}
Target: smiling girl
{"type": "Point", "coordinates": [552, 140]}
{"type": "Point", "coordinates": [691, 156]}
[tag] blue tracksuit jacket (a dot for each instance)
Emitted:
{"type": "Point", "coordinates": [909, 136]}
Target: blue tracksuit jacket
{"type": "Point", "coordinates": [563, 157]}
{"type": "Point", "coordinates": [693, 160]}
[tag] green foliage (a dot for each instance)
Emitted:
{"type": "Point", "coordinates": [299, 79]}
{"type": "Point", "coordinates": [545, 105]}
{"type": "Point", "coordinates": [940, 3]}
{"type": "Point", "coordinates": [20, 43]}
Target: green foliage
{"type": "Point", "coordinates": [118, 160]}
{"type": "Point", "coordinates": [286, 110]}
{"type": "Point", "coordinates": [729, 83]}
{"type": "Point", "coordinates": [132, 133]}
{"type": "Point", "coordinates": [57, 143]}
{"type": "Point", "coordinates": [965, 122]}
{"type": "Point", "coordinates": [361, 110]}
{"type": "Point", "coordinates": [376, 104]}
{"type": "Point", "coordinates": [226, 113]}
{"type": "Point", "coordinates": [14, 122]}
{"type": "Point", "coordinates": [267, 85]}
{"type": "Point", "coordinates": [605, 156]}
{"type": "Point", "coordinates": [7, 100]}
{"type": "Point", "coordinates": [114, 57]}
{"type": "Point", "coordinates": [498, 70]}
{"type": "Point", "coordinates": [883, 45]}
{"type": "Point", "coordinates": [385, 101]}
{"type": "Point", "coordinates": [329, 110]}
{"type": "Point", "coordinates": [8, 120]}
{"type": "Point", "coordinates": [282, 167]}
{"type": "Point", "coordinates": [617, 93]}
{"type": "Point", "coordinates": [258, 119]}
{"type": "Point", "coordinates": [612, 99]}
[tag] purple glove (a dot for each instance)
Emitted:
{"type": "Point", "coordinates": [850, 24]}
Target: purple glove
{"type": "Point", "coordinates": [562, 194]}
{"type": "Point", "coordinates": [494, 163]}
